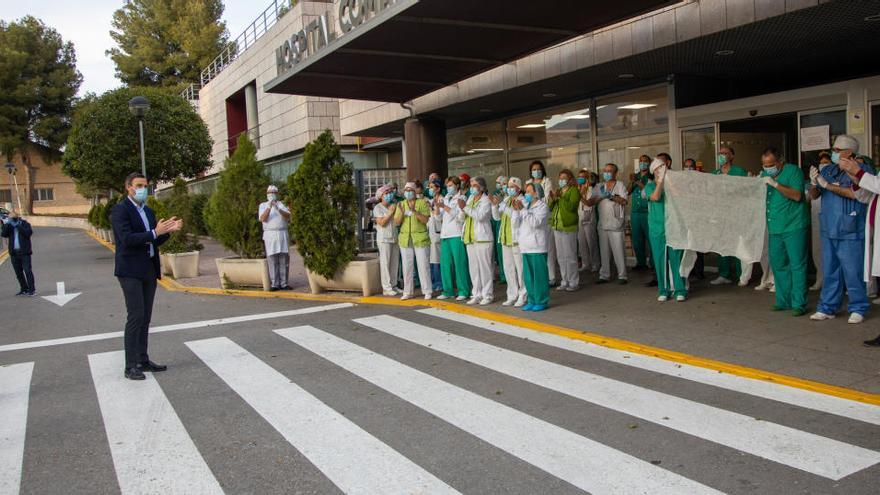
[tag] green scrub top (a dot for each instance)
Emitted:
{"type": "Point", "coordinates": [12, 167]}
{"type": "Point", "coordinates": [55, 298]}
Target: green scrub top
{"type": "Point", "coordinates": [639, 203]}
{"type": "Point", "coordinates": [735, 171]}
{"type": "Point", "coordinates": [783, 214]}
{"type": "Point", "coordinates": [413, 232]}
{"type": "Point", "coordinates": [656, 211]}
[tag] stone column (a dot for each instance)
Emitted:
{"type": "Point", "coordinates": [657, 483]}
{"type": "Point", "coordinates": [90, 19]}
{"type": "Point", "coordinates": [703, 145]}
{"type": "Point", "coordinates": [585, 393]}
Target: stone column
{"type": "Point", "coordinates": [424, 148]}
{"type": "Point", "coordinates": [253, 122]}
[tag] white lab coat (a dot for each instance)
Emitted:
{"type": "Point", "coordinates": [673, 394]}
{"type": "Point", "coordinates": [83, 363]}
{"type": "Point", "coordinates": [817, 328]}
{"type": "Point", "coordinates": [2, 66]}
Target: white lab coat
{"type": "Point", "coordinates": [481, 212]}
{"type": "Point", "coordinates": [434, 226]}
{"type": "Point", "coordinates": [611, 214]}
{"type": "Point", "coordinates": [533, 228]}
{"type": "Point", "coordinates": [451, 222]}
{"type": "Point", "coordinates": [869, 189]}
{"type": "Point", "coordinates": [275, 236]}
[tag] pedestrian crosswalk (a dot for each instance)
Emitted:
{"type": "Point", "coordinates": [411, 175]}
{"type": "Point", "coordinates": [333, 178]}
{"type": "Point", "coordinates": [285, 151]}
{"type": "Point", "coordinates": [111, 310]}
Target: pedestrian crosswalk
{"type": "Point", "coordinates": [153, 450]}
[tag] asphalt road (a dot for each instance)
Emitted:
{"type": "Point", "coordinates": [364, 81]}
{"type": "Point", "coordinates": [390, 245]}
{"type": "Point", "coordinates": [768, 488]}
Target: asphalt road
{"type": "Point", "coordinates": [318, 398]}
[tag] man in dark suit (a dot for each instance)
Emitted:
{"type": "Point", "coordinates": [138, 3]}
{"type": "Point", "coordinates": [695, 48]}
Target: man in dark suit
{"type": "Point", "coordinates": [19, 232]}
{"type": "Point", "coordinates": [138, 236]}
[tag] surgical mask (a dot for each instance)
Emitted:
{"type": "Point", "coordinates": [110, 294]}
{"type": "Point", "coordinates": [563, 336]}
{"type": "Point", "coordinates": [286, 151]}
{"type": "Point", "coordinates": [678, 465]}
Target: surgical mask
{"type": "Point", "coordinates": [582, 180]}
{"type": "Point", "coordinates": [409, 194]}
{"type": "Point", "coordinates": [430, 193]}
{"type": "Point", "coordinates": [722, 160]}
{"type": "Point", "coordinates": [644, 165]}
{"type": "Point", "coordinates": [563, 182]}
{"type": "Point", "coordinates": [527, 198]}
{"type": "Point", "coordinates": [271, 197]}
{"type": "Point", "coordinates": [537, 174]}
{"type": "Point", "coordinates": [771, 171]}
{"type": "Point", "coordinates": [389, 198]}
{"type": "Point", "coordinates": [511, 191]}
{"type": "Point", "coordinates": [835, 157]}
{"type": "Point", "coordinates": [473, 191]}
{"type": "Point", "coordinates": [607, 176]}
{"type": "Point", "coordinates": [140, 195]}
{"type": "Point", "coordinates": [450, 190]}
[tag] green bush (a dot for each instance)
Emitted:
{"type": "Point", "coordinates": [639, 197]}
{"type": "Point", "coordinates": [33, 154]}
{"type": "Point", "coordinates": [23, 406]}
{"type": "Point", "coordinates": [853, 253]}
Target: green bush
{"type": "Point", "coordinates": [198, 203]}
{"type": "Point", "coordinates": [96, 215]}
{"type": "Point", "coordinates": [231, 213]}
{"type": "Point", "coordinates": [91, 216]}
{"type": "Point", "coordinates": [107, 212]}
{"type": "Point", "coordinates": [324, 214]}
{"type": "Point", "coordinates": [179, 204]}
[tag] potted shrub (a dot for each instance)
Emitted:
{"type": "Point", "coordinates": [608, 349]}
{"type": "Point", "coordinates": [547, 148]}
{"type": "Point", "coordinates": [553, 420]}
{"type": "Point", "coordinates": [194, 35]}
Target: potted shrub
{"type": "Point", "coordinates": [231, 217]}
{"type": "Point", "coordinates": [323, 220]}
{"type": "Point", "coordinates": [105, 217]}
{"type": "Point", "coordinates": [93, 218]}
{"type": "Point", "coordinates": [181, 250]}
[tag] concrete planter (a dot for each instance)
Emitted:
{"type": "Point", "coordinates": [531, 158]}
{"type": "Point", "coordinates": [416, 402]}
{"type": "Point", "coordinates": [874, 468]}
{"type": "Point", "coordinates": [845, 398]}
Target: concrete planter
{"type": "Point", "coordinates": [239, 272]}
{"type": "Point", "coordinates": [361, 275]}
{"type": "Point", "coordinates": [165, 265]}
{"type": "Point", "coordinates": [183, 265]}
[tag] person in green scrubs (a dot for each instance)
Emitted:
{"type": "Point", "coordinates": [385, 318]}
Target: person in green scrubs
{"type": "Point", "coordinates": [638, 217]}
{"type": "Point", "coordinates": [787, 222]}
{"type": "Point", "coordinates": [729, 267]}
{"type": "Point", "coordinates": [667, 261]}
{"type": "Point", "coordinates": [530, 215]}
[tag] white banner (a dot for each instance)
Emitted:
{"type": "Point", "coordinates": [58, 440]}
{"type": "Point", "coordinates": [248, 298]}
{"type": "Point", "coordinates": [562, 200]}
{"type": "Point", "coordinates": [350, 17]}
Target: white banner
{"type": "Point", "coordinates": [716, 213]}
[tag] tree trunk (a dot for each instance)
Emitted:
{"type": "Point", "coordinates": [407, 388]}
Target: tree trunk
{"type": "Point", "coordinates": [29, 185]}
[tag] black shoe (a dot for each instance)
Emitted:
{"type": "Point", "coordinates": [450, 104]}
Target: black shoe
{"type": "Point", "coordinates": [287, 287]}
{"type": "Point", "coordinates": [135, 374]}
{"type": "Point", "coordinates": [31, 293]}
{"type": "Point", "coordinates": [273, 289]}
{"type": "Point", "coordinates": [602, 281]}
{"type": "Point", "coordinates": [151, 366]}
{"type": "Point", "coordinates": [22, 293]}
{"type": "Point", "coordinates": [652, 283]}
{"type": "Point", "coordinates": [640, 268]}
{"type": "Point", "coordinates": [872, 343]}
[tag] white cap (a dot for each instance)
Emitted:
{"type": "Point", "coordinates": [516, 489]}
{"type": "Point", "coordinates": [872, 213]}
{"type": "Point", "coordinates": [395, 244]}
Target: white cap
{"type": "Point", "coordinates": [657, 163]}
{"type": "Point", "coordinates": [846, 142]}
{"type": "Point", "coordinates": [272, 189]}
{"type": "Point", "coordinates": [515, 181]}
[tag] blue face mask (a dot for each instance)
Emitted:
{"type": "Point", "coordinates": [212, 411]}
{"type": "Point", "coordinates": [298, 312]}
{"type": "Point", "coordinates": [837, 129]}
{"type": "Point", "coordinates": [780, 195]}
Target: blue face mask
{"type": "Point", "coordinates": [527, 198]}
{"type": "Point", "coordinates": [563, 182]}
{"type": "Point", "coordinates": [537, 174]}
{"type": "Point", "coordinates": [607, 176]}
{"type": "Point", "coordinates": [389, 198]}
{"type": "Point", "coordinates": [430, 193]}
{"type": "Point", "coordinates": [473, 191]}
{"type": "Point", "coordinates": [511, 191]}
{"type": "Point", "coordinates": [835, 157]}
{"type": "Point", "coordinates": [140, 195]}
{"type": "Point", "coordinates": [644, 165]}
{"type": "Point", "coordinates": [582, 180]}
{"type": "Point", "coordinates": [771, 171]}
{"type": "Point", "coordinates": [722, 160]}
{"type": "Point", "coordinates": [409, 194]}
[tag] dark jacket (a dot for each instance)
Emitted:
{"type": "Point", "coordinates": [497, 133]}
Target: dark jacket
{"type": "Point", "coordinates": [133, 241]}
{"type": "Point", "coordinates": [25, 231]}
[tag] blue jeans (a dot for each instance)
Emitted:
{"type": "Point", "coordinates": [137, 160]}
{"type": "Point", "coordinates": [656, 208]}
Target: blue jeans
{"type": "Point", "coordinates": [843, 269]}
{"type": "Point", "coordinates": [435, 277]}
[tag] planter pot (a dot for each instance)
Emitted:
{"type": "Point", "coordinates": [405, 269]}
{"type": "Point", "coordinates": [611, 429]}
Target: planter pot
{"type": "Point", "coordinates": [240, 272]}
{"type": "Point", "coordinates": [110, 238]}
{"type": "Point", "coordinates": [184, 265]}
{"type": "Point", "coordinates": [165, 265]}
{"type": "Point", "coordinates": [361, 275]}
{"type": "Point", "coordinates": [105, 234]}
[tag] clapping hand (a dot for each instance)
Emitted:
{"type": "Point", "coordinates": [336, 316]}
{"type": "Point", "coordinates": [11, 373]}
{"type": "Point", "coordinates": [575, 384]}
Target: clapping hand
{"type": "Point", "coordinates": [461, 203]}
{"type": "Point", "coordinates": [849, 165]}
{"type": "Point", "coordinates": [814, 175]}
{"type": "Point", "coordinates": [172, 224]}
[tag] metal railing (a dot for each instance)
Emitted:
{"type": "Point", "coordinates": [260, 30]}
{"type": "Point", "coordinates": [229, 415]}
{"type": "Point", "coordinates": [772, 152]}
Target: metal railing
{"type": "Point", "coordinates": [234, 48]}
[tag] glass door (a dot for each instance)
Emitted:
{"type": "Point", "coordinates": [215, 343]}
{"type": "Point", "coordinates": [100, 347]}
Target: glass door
{"type": "Point", "coordinates": [700, 144]}
{"type": "Point", "coordinates": [818, 128]}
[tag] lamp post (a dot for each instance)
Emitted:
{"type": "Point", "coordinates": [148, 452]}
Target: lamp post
{"type": "Point", "coordinates": [10, 167]}
{"type": "Point", "coordinates": [138, 106]}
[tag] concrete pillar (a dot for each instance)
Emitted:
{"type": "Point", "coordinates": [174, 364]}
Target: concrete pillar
{"type": "Point", "coordinates": [253, 122]}
{"type": "Point", "coordinates": [424, 148]}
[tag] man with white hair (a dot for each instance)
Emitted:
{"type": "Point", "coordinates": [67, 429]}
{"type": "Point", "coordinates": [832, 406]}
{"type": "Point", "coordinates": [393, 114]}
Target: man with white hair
{"type": "Point", "coordinates": [842, 223]}
{"type": "Point", "coordinates": [275, 217]}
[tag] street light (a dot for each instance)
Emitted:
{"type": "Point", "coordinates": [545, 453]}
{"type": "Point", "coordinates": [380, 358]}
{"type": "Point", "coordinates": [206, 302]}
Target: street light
{"type": "Point", "coordinates": [138, 106]}
{"type": "Point", "coordinates": [10, 167]}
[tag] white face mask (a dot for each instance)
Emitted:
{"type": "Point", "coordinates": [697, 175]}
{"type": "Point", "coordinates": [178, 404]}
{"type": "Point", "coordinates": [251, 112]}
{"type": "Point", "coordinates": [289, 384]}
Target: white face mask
{"type": "Point", "coordinates": [271, 197]}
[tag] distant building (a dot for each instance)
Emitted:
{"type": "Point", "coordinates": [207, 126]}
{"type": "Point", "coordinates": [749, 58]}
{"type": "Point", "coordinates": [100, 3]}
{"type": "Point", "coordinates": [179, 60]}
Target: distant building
{"type": "Point", "coordinates": [44, 188]}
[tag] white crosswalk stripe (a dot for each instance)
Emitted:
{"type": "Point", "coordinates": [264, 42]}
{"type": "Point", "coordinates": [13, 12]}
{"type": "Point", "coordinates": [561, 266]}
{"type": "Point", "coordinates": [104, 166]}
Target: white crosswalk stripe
{"type": "Point", "coordinates": [812, 453]}
{"type": "Point", "coordinates": [354, 460]}
{"type": "Point", "coordinates": [789, 395]}
{"type": "Point", "coordinates": [151, 450]}
{"type": "Point", "coordinates": [580, 461]}
{"type": "Point", "coordinates": [15, 385]}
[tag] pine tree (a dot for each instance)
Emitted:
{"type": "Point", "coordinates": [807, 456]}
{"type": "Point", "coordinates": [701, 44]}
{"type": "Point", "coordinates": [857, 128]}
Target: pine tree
{"type": "Point", "coordinates": [166, 42]}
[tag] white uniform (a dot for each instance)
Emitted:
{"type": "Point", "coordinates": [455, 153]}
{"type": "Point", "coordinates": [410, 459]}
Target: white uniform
{"type": "Point", "coordinates": [451, 222]}
{"type": "Point", "coordinates": [389, 253]}
{"type": "Point", "coordinates": [434, 226]}
{"type": "Point", "coordinates": [277, 243]}
{"type": "Point", "coordinates": [588, 236]}
{"type": "Point", "coordinates": [481, 251]}
{"type": "Point", "coordinates": [547, 184]}
{"type": "Point", "coordinates": [612, 238]}
{"type": "Point", "coordinates": [510, 255]}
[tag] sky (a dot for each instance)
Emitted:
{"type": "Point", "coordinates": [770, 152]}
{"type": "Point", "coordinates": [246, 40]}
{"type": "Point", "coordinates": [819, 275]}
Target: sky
{"type": "Point", "coordinates": [87, 25]}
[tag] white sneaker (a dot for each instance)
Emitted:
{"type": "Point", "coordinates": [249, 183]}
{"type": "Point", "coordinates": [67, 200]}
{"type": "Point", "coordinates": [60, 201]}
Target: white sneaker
{"type": "Point", "coordinates": [461, 298]}
{"type": "Point", "coordinates": [773, 289]}
{"type": "Point", "coordinates": [855, 319]}
{"type": "Point", "coordinates": [876, 301]}
{"type": "Point", "coordinates": [473, 300]}
{"type": "Point", "coordinates": [815, 287]}
{"type": "Point", "coordinates": [571, 289]}
{"type": "Point", "coordinates": [561, 287]}
{"type": "Point", "coordinates": [508, 302]}
{"type": "Point", "coordinates": [405, 297]}
{"type": "Point", "coordinates": [762, 287]}
{"type": "Point", "coordinates": [721, 281]}
{"type": "Point", "coordinates": [742, 283]}
{"type": "Point", "coordinates": [680, 298]}
{"type": "Point", "coordinates": [662, 298]}
{"type": "Point", "coordinates": [442, 297]}
{"type": "Point", "coordinates": [820, 316]}
{"type": "Point", "coordinates": [429, 296]}
{"type": "Point", "coordinates": [520, 302]}
{"type": "Point", "coordinates": [391, 293]}
{"type": "Point", "coordinates": [485, 302]}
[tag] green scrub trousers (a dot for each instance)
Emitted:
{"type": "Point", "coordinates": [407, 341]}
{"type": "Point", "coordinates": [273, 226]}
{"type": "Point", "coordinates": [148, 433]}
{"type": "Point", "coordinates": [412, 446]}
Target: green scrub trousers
{"type": "Point", "coordinates": [453, 260]}
{"type": "Point", "coordinates": [667, 260]}
{"type": "Point", "coordinates": [729, 267]}
{"type": "Point", "coordinates": [640, 236]}
{"type": "Point", "coordinates": [788, 259]}
{"type": "Point", "coordinates": [536, 278]}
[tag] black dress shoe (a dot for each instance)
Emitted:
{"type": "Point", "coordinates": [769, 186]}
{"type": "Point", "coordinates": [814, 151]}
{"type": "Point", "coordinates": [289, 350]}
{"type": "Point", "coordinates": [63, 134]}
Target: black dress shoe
{"type": "Point", "coordinates": [151, 366]}
{"type": "Point", "coordinates": [872, 343]}
{"type": "Point", "coordinates": [287, 287]}
{"type": "Point", "coordinates": [21, 293]}
{"type": "Point", "coordinates": [135, 374]}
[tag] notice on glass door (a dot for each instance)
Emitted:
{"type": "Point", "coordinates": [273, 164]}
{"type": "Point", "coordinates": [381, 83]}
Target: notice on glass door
{"type": "Point", "coordinates": [816, 138]}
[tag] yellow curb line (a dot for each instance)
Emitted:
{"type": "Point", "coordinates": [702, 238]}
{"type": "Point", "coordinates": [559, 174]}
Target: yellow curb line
{"type": "Point", "coordinates": [592, 338]}
{"type": "Point", "coordinates": [3, 256]}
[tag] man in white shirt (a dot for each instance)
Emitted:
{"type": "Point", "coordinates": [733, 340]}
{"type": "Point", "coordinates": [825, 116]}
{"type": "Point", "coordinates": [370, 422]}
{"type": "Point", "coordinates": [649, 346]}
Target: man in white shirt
{"type": "Point", "coordinates": [611, 198]}
{"type": "Point", "coordinates": [275, 217]}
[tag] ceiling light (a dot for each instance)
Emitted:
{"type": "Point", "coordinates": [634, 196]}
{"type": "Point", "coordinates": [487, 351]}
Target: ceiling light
{"type": "Point", "coordinates": [549, 95]}
{"type": "Point", "coordinates": [529, 126]}
{"type": "Point", "coordinates": [637, 106]}
{"type": "Point", "coordinates": [872, 18]}
{"type": "Point", "coordinates": [633, 147]}
{"type": "Point", "coordinates": [578, 117]}
{"type": "Point", "coordinates": [484, 150]}
{"type": "Point", "coordinates": [724, 53]}
{"type": "Point", "coordinates": [612, 149]}
{"type": "Point", "coordinates": [626, 75]}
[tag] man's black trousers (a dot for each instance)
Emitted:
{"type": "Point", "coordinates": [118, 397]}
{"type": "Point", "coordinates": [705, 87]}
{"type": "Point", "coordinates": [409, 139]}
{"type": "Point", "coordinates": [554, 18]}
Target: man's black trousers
{"type": "Point", "coordinates": [139, 294]}
{"type": "Point", "coordinates": [21, 263]}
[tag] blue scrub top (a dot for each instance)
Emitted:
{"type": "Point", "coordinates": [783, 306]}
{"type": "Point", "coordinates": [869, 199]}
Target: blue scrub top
{"type": "Point", "coordinates": [841, 218]}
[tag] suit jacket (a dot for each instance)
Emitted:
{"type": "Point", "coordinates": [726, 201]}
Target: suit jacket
{"type": "Point", "coordinates": [133, 241]}
{"type": "Point", "coordinates": [24, 236]}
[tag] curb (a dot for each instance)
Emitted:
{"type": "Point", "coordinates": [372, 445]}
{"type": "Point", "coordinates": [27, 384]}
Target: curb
{"type": "Point", "coordinates": [592, 338]}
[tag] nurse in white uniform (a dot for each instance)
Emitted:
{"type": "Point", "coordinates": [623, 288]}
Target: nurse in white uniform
{"type": "Point", "coordinates": [275, 218]}
{"type": "Point", "coordinates": [611, 197]}
{"type": "Point", "coordinates": [477, 236]}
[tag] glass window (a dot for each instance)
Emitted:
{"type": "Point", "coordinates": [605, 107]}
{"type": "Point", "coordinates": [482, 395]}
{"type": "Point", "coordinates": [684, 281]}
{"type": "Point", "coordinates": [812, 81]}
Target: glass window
{"type": "Point", "coordinates": [476, 139]}
{"type": "Point", "coordinates": [699, 145]}
{"type": "Point", "coordinates": [625, 152]}
{"type": "Point", "coordinates": [44, 194]}
{"type": "Point", "coordinates": [487, 165]}
{"type": "Point", "coordinates": [556, 158]}
{"type": "Point", "coordinates": [639, 111]}
{"type": "Point", "coordinates": [5, 196]}
{"type": "Point", "coordinates": [552, 126]}
{"type": "Point", "coordinates": [836, 120]}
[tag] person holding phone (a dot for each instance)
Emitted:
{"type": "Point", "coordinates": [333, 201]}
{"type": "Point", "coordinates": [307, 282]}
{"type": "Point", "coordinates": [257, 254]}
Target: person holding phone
{"type": "Point", "coordinates": [611, 198]}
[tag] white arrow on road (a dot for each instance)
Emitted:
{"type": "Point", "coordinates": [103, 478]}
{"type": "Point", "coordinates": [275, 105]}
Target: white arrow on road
{"type": "Point", "coordinates": [61, 298]}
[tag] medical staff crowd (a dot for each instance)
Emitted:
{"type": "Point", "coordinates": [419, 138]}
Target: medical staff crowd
{"type": "Point", "coordinates": [542, 233]}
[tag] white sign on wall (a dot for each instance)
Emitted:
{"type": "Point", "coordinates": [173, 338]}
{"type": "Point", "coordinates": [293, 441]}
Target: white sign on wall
{"type": "Point", "coordinates": [816, 138]}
